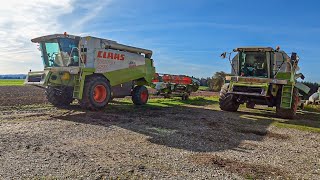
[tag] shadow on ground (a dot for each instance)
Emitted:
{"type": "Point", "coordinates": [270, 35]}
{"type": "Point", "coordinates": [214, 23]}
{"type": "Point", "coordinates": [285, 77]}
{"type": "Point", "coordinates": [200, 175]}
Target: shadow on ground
{"type": "Point", "coordinates": [190, 128]}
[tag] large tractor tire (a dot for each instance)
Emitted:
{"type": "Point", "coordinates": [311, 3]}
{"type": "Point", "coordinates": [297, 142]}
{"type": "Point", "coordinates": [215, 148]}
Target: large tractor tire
{"type": "Point", "coordinates": [140, 95]}
{"type": "Point", "coordinates": [96, 93]}
{"type": "Point", "coordinates": [227, 101]}
{"type": "Point", "coordinates": [288, 113]}
{"type": "Point", "coordinates": [59, 97]}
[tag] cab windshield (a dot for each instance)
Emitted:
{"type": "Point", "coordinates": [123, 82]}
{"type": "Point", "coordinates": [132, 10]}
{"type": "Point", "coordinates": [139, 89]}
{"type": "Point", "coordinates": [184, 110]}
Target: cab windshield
{"type": "Point", "coordinates": [253, 64]}
{"type": "Point", "coordinates": [60, 52]}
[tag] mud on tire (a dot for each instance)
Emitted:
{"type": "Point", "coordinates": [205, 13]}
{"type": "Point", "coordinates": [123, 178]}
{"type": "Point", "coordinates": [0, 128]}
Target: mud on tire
{"type": "Point", "coordinates": [227, 101]}
{"type": "Point", "coordinates": [59, 96]}
{"type": "Point", "coordinates": [140, 95]}
{"type": "Point", "coordinates": [288, 113]}
{"type": "Point", "coordinates": [96, 93]}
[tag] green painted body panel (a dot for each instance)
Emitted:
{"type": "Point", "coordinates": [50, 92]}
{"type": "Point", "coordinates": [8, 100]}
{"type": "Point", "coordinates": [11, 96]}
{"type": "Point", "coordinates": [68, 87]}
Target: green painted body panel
{"type": "Point", "coordinates": [142, 74]}
{"type": "Point", "coordinates": [287, 89]}
{"type": "Point", "coordinates": [283, 76]}
{"type": "Point", "coordinates": [130, 74]}
{"type": "Point", "coordinates": [48, 80]}
{"type": "Point", "coordinates": [85, 72]}
{"type": "Point", "coordinates": [59, 81]}
{"type": "Point", "coordinates": [262, 85]}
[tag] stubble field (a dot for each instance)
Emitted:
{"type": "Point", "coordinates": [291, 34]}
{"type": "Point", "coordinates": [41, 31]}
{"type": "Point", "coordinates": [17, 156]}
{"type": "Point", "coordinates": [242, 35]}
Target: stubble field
{"type": "Point", "coordinates": [166, 139]}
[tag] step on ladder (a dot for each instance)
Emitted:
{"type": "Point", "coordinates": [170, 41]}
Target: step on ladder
{"type": "Point", "coordinates": [286, 98]}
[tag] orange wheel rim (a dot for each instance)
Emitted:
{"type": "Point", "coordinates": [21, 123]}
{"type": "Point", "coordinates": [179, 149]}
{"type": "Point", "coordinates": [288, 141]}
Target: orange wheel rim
{"type": "Point", "coordinates": [144, 96]}
{"type": "Point", "coordinates": [99, 93]}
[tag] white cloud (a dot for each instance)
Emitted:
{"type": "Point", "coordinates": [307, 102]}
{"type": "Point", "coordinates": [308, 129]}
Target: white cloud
{"type": "Point", "coordinates": [19, 22]}
{"type": "Point", "coordinates": [92, 9]}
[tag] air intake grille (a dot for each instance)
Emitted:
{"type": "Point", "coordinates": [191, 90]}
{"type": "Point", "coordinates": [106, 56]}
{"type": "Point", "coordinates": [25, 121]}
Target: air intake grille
{"type": "Point", "coordinates": [256, 90]}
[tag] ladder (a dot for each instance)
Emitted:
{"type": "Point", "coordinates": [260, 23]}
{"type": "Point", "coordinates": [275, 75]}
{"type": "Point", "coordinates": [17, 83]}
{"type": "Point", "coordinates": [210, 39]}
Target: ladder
{"type": "Point", "coordinates": [286, 98]}
{"type": "Point", "coordinates": [76, 88]}
{"type": "Point", "coordinates": [77, 79]}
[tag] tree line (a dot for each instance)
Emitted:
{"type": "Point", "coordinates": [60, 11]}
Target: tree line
{"type": "Point", "coordinates": [13, 76]}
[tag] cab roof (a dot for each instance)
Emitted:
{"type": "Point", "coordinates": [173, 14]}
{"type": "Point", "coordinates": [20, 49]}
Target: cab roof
{"type": "Point", "coordinates": [53, 36]}
{"type": "Point", "coordinates": [257, 48]}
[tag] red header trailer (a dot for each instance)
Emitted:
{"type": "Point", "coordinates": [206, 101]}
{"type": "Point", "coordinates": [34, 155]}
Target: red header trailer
{"type": "Point", "coordinates": [174, 85]}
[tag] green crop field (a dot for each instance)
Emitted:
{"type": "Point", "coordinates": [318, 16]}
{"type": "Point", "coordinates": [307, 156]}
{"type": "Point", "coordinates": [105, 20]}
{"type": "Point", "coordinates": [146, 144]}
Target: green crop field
{"type": "Point", "coordinates": [11, 82]}
{"type": "Point", "coordinates": [204, 88]}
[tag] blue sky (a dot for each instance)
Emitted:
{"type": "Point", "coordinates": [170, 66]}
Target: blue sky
{"type": "Point", "coordinates": [186, 36]}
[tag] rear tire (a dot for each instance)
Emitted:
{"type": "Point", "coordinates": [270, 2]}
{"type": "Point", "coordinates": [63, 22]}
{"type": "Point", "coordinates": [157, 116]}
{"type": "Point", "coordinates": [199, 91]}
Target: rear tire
{"type": "Point", "coordinates": [227, 101]}
{"type": "Point", "coordinates": [96, 93]}
{"type": "Point", "coordinates": [140, 95]}
{"type": "Point", "coordinates": [59, 97]}
{"type": "Point", "coordinates": [288, 113]}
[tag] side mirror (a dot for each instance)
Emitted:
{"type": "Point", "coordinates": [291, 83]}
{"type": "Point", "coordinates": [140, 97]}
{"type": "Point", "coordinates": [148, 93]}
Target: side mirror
{"type": "Point", "coordinates": [293, 56]}
{"type": "Point", "coordinates": [223, 55]}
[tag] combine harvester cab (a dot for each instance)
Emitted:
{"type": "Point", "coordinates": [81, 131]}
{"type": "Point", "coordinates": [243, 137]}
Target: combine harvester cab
{"type": "Point", "coordinates": [264, 76]}
{"type": "Point", "coordinates": [91, 70]}
{"type": "Point", "coordinates": [175, 85]}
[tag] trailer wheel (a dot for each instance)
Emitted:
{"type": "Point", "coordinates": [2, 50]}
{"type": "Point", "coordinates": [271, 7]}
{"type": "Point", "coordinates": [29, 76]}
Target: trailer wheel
{"type": "Point", "coordinates": [59, 97]}
{"type": "Point", "coordinates": [166, 95]}
{"type": "Point", "coordinates": [185, 97]}
{"type": "Point", "coordinates": [140, 95]}
{"type": "Point", "coordinates": [96, 93]}
{"type": "Point", "coordinates": [227, 101]}
{"type": "Point", "coordinates": [288, 113]}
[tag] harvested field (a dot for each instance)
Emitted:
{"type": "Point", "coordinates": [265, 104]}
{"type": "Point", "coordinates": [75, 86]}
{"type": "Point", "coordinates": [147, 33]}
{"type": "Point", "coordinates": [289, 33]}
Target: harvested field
{"type": "Point", "coordinates": [166, 139]}
{"type": "Point", "coordinates": [27, 95]}
{"type": "Point", "coordinates": [21, 95]}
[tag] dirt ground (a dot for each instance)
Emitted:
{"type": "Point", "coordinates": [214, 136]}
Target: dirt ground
{"type": "Point", "coordinates": [39, 141]}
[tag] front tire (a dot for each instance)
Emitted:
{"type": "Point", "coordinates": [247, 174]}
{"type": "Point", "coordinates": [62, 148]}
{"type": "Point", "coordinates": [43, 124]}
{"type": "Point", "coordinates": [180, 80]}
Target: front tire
{"type": "Point", "coordinates": [59, 97]}
{"type": "Point", "coordinates": [227, 101]}
{"type": "Point", "coordinates": [96, 93]}
{"type": "Point", "coordinates": [140, 95]}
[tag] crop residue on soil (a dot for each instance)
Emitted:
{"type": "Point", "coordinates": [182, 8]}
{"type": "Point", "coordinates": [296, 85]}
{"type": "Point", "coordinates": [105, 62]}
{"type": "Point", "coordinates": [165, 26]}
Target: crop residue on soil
{"type": "Point", "coordinates": [156, 141]}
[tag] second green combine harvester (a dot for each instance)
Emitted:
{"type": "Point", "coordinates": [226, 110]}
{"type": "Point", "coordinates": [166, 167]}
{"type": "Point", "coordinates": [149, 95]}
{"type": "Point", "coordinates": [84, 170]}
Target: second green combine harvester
{"type": "Point", "coordinates": [91, 70]}
{"type": "Point", "coordinates": [262, 75]}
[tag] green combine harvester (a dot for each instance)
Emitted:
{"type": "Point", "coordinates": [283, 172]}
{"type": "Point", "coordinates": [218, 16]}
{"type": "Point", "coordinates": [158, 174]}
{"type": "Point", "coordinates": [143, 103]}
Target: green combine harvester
{"type": "Point", "coordinates": [91, 70]}
{"type": "Point", "coordinates": [264, 76]}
